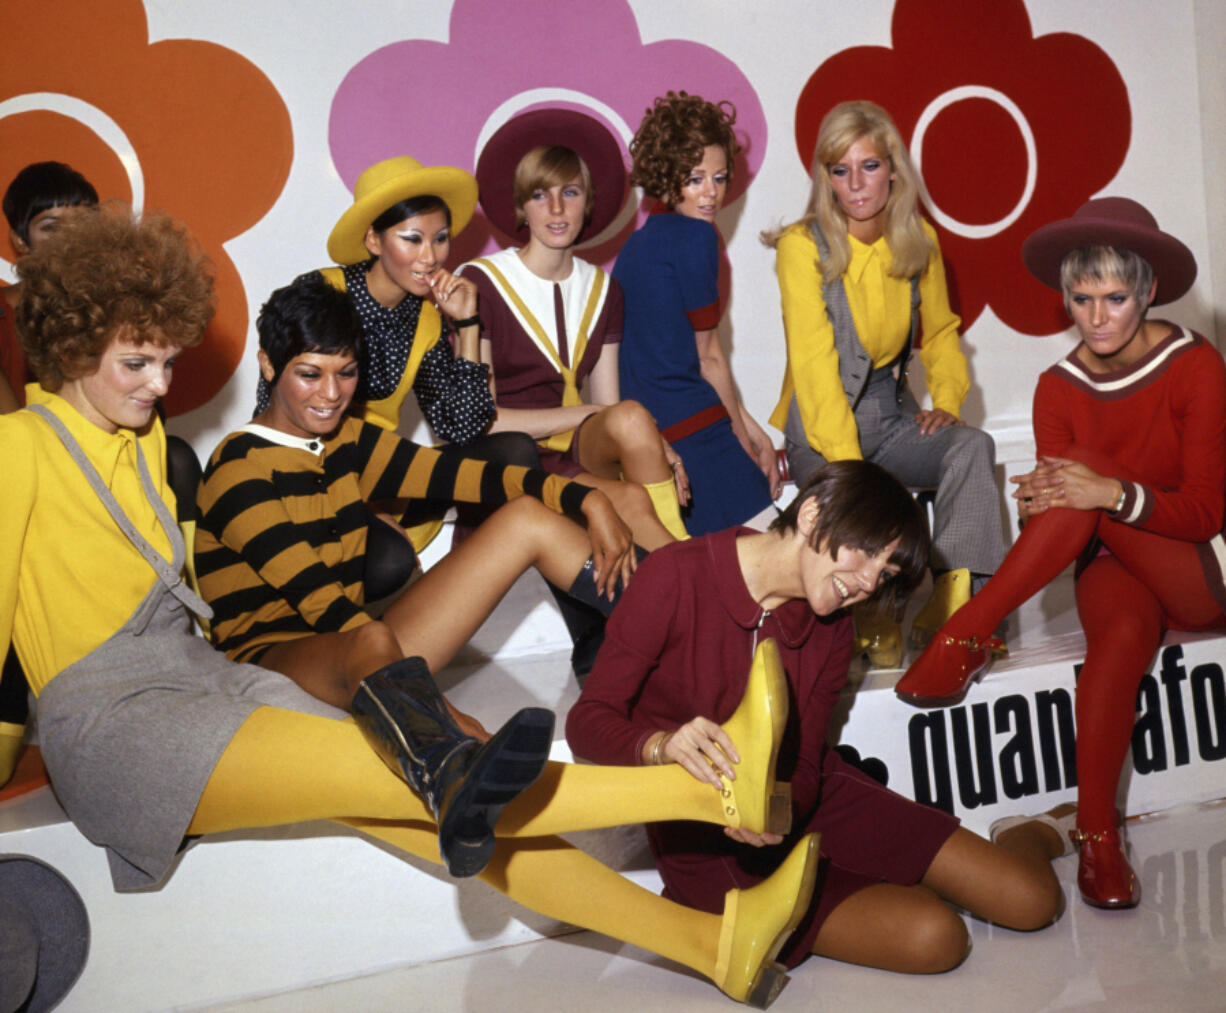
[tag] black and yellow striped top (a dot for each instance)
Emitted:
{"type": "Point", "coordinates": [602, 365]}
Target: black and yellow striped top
{"type": "Point", "coordinates": [281, 541]}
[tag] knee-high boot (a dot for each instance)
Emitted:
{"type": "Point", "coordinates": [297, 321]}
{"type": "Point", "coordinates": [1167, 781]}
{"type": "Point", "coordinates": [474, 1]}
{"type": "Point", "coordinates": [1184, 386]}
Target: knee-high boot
{"type": "Point", "coordinates": [465, 782]}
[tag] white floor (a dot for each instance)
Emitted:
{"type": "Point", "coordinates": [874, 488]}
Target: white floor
{"type": "Point", "coordinates": [1169, 954]}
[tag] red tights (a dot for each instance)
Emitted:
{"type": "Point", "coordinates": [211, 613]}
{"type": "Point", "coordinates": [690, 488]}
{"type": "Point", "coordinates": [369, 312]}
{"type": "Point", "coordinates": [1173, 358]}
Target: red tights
{"type": "Point", "coordinates": [1126, 601]}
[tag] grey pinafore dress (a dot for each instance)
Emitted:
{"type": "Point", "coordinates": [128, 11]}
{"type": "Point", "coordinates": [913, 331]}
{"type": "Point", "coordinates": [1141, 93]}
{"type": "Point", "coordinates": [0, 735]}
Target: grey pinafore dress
{"type": "Point", "coordinates": [131, 732]}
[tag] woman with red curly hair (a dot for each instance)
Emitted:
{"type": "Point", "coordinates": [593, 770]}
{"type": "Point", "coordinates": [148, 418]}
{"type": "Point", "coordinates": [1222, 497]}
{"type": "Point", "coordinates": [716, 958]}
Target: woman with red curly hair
{"type": "Point", "coordinates": [672, 361]}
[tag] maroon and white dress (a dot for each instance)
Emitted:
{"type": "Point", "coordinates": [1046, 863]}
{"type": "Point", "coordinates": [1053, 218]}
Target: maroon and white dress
{"type": "Point", "coordinates": [545, 336]}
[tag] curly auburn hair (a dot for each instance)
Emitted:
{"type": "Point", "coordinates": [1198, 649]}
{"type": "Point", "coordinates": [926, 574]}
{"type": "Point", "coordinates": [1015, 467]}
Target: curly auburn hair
{"type": "Point", "coordinates": [110, 273]}
{"type": "Point", "coordinates": [671, 140]}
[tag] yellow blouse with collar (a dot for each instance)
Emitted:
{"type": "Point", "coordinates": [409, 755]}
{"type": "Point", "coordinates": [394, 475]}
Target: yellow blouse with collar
{"type": "Point", "coordinates": [881, 308]}
{"type": "Point", "coordinates": [69, 578]}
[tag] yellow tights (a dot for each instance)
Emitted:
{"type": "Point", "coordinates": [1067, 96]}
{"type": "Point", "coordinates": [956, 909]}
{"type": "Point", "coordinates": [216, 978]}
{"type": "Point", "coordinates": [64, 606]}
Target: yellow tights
{"type": "Point", "coordinates": [285, 767]}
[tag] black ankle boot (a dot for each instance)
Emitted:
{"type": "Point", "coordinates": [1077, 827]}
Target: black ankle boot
{"type": "Point", "coordinates": [465, 782]}
{"type": "Point", "coordinates": [584, 587]}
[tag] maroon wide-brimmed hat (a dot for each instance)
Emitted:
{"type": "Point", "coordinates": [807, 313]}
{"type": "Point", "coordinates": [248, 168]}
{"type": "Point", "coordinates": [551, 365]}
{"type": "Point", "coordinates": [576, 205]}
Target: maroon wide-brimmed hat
{"type": "Point", "coordinates": [585, 136]}
{"type": "Point", "coordinates": [1118, 222]}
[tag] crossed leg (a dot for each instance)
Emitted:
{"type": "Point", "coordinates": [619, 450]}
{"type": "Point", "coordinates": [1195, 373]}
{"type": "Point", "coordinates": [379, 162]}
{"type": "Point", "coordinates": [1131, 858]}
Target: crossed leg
{"type": "Point", "coordinates": [622, 455]}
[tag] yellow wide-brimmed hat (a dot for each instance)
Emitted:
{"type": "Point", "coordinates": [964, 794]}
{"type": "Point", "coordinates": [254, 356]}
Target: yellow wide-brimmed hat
{"type": "Point", "coordinates": [389, 182]}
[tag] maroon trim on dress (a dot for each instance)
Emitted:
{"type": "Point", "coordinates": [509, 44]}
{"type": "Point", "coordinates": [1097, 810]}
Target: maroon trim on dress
{"type": "Point", "coordinates": [696, 422]}
{"type": "Point", "coordinates": [706, 318]}
{"type": "Point", "coordinates": [1122, 383]}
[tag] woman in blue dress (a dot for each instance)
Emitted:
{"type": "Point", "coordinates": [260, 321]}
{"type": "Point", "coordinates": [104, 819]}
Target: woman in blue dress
{"type": "Point", "coordinates": [671, 357]}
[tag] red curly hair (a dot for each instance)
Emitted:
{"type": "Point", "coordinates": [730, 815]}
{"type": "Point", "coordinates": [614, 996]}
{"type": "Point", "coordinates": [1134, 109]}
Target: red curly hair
{"type": "Point", "coordinates": [110, 273]}
{"type": "Point", "coordinates": [672, 138]}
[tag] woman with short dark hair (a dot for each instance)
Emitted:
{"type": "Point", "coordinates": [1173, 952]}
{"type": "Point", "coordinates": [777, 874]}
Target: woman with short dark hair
{"type": "Point", "coordinates": [675, 659]}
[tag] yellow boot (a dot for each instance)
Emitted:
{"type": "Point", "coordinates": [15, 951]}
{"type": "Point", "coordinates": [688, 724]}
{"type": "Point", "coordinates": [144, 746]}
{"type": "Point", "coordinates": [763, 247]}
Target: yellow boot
{"type": "Point", "coordinates": [756, 924]}
{"type": "Point", "coordinates": [878, 636]}
{"type": "Point", "coordinates": [754, 801]}
{"type": "Point", "coordinates": [668, 507]}
{"type": "Point", "coordinates": [950, 591]}
{"type": "Point", "coordinates": [11, 743]}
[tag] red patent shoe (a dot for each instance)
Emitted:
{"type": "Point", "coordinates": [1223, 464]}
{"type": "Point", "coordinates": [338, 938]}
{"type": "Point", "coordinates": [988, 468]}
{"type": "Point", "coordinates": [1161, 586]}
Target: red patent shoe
{"type": "Point", "coordinates": [1104, 876]}
{"type": "Point", "coordinates": [944, 672]}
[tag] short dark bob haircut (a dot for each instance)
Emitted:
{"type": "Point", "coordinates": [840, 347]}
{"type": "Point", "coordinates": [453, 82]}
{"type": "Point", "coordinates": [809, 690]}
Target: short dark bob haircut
{"type": "Point", "coordinates": [110, 274]}
{"type": "Point", "coordinates": [40, 186]}
{"type": "Point", "coordinates": [308, 316]}
{"type": "Point", "coordinates": [863, 506]}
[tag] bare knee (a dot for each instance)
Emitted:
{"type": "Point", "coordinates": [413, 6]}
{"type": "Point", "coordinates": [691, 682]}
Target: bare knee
{"type": "Point", "coordinates": [936, 940]}
{"type": "Point", "coordinates": [629, 424]}
{"type": "Point", "coordinates": [375, 640]}
{"type": "Point", "coordinates": [1034, 902]}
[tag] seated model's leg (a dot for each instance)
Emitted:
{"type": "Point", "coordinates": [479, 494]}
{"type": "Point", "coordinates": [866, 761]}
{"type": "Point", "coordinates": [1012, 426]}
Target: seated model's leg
{"type": "Point", "coordinates": [735, 950]}
{"type": "Point", "coordinates": [285, 766]}
{"type": "Point", "coordinates": [622, 442]}
{"type": "Point", "coordinates": [913, 929]}
{"type": "Point", "coordinates": [960, 461]}
{"type": "Point", "coordinates": [1123, 624]}
{"type": "Point", "coordinates": [441, 612]}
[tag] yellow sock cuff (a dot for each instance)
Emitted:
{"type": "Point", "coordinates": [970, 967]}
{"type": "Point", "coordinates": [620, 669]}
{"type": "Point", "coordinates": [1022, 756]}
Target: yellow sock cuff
{"type": "Point", "coordinates": [668, 507]}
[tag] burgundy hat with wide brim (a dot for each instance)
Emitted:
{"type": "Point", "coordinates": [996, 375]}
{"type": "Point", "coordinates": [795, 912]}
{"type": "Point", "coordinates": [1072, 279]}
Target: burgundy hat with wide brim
{"type": "Point", "coordinates": [1118, 222]}
{"type": "Point", "coordinates": [585, 136]}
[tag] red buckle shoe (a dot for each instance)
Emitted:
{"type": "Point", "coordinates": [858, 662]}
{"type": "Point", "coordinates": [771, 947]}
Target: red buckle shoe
{"type": "Point", "coordinates": [1104, 876]}
{"type": "Point", "coordinates": [944, 672]}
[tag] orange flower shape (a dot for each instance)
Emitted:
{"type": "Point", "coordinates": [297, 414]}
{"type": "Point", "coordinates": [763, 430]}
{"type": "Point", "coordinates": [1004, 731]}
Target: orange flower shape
{"type": "Point", "coordinates": [184, 126]}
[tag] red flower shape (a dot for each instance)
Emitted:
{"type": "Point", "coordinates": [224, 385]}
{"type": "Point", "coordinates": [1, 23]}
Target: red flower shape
{"type": "Point", "coordinates": [1001, 144]}
{"type": "Point", "coordinates": [194, 125]}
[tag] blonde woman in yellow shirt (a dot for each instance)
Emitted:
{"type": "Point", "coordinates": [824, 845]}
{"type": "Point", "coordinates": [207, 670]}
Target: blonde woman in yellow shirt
{"type": "Point", "coordinates": [860, 278]}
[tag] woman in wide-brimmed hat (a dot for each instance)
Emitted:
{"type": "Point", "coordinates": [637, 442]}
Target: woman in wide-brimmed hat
{"type": "Point", "coordinates": [671, 357]}
{"type": "Point", "coordinates": [1130, 429]}
{"type": "Point", "coordinates": [419, 320]}
{"type": "Point", "coordinates": [552, 321]}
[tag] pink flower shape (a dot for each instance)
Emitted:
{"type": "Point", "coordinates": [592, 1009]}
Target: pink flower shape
{"type": "Point", "coordinates": [439, 101]}
{"type": "Point", "coordinates": [996, 118]}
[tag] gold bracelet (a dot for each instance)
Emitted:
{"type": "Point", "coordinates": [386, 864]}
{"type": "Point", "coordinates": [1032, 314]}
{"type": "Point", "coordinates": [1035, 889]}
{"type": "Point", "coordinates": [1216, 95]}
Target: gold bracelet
{"type": "Point", "coordinates": [658, 747]}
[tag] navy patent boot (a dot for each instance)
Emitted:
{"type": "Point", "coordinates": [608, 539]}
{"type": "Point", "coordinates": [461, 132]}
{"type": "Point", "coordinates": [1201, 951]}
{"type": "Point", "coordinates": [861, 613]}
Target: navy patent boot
{"type": "Point", "coordinates": [466, 783]}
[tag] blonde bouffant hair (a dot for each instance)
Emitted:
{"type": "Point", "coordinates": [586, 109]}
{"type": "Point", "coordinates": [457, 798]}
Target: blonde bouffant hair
{"type": "Point", "coordinates": [109, 273]}
{"type": "Point", "coordinates": [845, 124]}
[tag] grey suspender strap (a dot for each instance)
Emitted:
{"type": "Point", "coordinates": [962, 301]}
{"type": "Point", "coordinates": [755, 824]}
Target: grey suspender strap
{"type": "Point", "coordinates": [170, 574]}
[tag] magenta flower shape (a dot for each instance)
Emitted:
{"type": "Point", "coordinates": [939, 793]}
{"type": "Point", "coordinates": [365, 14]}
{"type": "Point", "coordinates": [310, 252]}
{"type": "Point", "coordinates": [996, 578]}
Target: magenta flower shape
{"type": "Point", "coordinates": [996, 119]}
{"type": "Point", "coordinates": [438, 102]}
